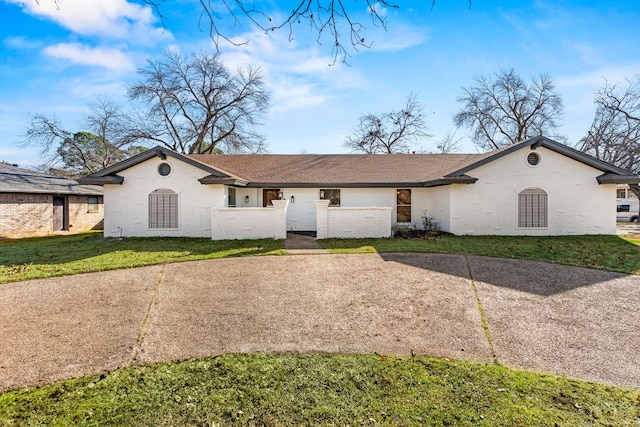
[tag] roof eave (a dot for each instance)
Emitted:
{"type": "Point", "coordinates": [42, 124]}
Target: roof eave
{"type": "Point", "coordinates": [210, 179]}
{"type": "Point", "coordinates": [448, 180]}
{"type": "Point", "coordinates": [608, 178]}
{"type": "Point", "coordinates": [101, 180]}
{"type": "Point", "coordinates": [329, 185]}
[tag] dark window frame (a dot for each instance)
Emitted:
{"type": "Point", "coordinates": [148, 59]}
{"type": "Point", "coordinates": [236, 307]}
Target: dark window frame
{"type": "Point", "coordinates": [332, 194]}
{"type": "Point", "coordinates": [403, 209]}
{"type": "Point", "coordinates": [93, 206]}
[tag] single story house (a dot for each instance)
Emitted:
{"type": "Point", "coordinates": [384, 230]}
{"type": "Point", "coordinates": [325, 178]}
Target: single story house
{"type": "Point", "coordinates": [536, 187]}
{"type": "Point", "coordinates": [35, 204]}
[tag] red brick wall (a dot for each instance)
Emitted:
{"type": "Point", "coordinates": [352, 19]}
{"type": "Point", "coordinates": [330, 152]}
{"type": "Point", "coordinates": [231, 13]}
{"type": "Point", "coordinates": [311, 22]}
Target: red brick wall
{"type": "Point", "coordinates": [30, 215]}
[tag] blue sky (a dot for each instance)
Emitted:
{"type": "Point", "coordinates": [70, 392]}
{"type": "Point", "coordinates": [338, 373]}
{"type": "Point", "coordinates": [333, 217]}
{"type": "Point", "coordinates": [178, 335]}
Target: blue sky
{"type": "Point", "coordinates": [56, 60]}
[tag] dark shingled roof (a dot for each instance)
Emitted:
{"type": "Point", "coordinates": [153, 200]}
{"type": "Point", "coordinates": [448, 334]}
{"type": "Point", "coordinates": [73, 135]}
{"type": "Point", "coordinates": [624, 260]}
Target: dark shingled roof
{"type": "Point", "coordinates": [17, 180]}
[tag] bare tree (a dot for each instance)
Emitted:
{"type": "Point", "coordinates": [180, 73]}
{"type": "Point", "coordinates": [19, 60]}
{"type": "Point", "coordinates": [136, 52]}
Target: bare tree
{"type": "Point", "coordinates": [106, 141]}
{"type": "Point", "coordinates": [614, 136]}
{"type": "Point", "coordinates": [507, 110]}
{"type": "Point", "coordinates": [388, 133]}
{"type": "Point", "coordinates": [195, 105]}
{"type": "Point", "coordinates": [450, 143]}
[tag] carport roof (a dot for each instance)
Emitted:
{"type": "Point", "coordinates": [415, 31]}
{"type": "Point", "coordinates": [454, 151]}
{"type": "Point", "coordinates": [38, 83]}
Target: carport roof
{"type": "Point", "coordinates": [17, 180]}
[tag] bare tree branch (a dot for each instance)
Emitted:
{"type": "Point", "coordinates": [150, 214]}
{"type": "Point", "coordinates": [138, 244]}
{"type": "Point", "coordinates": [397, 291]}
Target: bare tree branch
{"type": "Point", "coordinates": [323, 16]}
{"type": "Point", "coordinates": [195, 105]}
{"type": "Point", "coordinates": [104, 142]}
{"type": "Point", "coordinates": [392, 132]}
{"type": "Point", "coordinates": [508, 110]}
{"type": "Point", "coordinates": [450, 143]}
{"type": "Point", "coordinates": [614, 136]}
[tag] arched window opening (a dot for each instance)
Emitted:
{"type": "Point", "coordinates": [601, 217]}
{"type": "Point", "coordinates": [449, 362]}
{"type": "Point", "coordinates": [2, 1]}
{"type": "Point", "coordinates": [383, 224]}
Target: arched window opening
{"type": "Point", "coordinates": [163, 209]}
{"type": "Point", "coordinates": [532, 208]}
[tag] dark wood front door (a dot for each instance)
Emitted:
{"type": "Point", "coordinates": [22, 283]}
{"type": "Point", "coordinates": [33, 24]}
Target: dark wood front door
{"type": "Point", "coordinates": [60, 222]}
{"type": "Point", "coordinates": [269, 194]}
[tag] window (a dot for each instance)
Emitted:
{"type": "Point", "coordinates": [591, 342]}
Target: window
{"type": "Point", "coordinates": [231, 194]}
{"type": "Point", "coordinates": [163, 209]}
{"type": "Point", "coordinates": [333, 196]}
{"type": "Point", "coordinates": [164, 169]}
{"type": "Point", "coordinates": [624, 208]}
{"type": "Point", "coordinates": [403, 205]}
{"type": "Point", "coordinates": [532, 208]}
{"type": "Point", "coordinates": [533, 158]}
{"type": "Point", "coordinates": [92, 203]}
{"type": "Point", "coordinates": [621, 193]}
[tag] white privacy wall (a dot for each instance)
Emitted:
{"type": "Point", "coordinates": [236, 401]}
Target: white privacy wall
{"type": "Point", "coordinates": [577, 204]}
{"type": "Point", "coordinates": [352, 222]}
{"type": "Point", "coordinates": [127, 205]}
{"type": "Point", "coordinates": [250, 223]}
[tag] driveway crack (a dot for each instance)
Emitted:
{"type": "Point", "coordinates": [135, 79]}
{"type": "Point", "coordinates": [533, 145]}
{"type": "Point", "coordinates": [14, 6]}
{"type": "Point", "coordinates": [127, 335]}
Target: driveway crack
{"type": "Point", "coordinates": [483, 318]}
{"type": "Point", "coordinates": [145, 322]}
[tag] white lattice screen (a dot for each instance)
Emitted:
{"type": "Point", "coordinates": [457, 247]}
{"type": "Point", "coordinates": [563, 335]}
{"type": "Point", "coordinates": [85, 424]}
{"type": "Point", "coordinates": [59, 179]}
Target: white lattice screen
{"type": "Point", "coordinates": [163, 209]}
{"type": "Point", "coordinates": [532, 208]}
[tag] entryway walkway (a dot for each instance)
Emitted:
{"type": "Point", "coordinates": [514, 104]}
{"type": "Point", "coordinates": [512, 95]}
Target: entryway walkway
{"type": "Point", "coordinates": [302, 244]}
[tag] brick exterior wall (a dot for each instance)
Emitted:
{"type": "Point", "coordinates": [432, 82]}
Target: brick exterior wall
{"type": "Point", "coordinates": [250, 223]}
{"type": "Point", "coordinates": [352, 222]}
{"type": "Point", "coordinates": [31, 215]}
{"type": "Point", "coordinates": [127, 205]}
{"type": "Point", "coordinates": [577, 204]}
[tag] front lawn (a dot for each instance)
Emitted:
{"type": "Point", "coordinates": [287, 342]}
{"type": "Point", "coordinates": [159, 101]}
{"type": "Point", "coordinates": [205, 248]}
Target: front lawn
{"type": "Point", "coordinates": [612, 253]}
{"type": "Point", "coordinates": [82, 253]}
{"type": "Point", "coordinates": [312, 389]}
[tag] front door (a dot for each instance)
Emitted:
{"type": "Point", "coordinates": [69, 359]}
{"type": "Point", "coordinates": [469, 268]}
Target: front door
{"type": "Point", "coordinates": [269, 194]}
{"type": "Point", "coordinates": [60, 222]}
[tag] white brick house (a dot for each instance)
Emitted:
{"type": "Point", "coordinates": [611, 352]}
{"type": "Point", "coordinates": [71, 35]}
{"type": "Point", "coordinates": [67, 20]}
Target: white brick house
{"type": "Point", "coordinates": [536, 187]}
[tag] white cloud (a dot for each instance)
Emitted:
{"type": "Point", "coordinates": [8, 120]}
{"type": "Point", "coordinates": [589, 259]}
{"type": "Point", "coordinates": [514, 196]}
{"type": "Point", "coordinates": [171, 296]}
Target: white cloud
{"type": "Point", "coordinates": [399, 37]}
{"type": "Point", "coordinates": [20, 43]}
{"type": "Point", "coordinates": [297, 78]}
{"type": "Point", "coordinates": [108, 58]}
{"type": "Point", "coordinates": [118, 19]}
{"type": "Point", "coordinates": [596, 78]}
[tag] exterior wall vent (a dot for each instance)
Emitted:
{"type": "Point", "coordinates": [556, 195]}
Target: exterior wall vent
{"type": "Point", "coordinates": [533, 158]}
{"type": "Point", "coordinates": [164, 169]}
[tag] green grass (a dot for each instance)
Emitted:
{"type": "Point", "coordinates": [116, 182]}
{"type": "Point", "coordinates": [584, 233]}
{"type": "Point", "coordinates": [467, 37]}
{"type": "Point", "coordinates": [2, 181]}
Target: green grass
{"type": "Point", "coordinates": [611, 253]}
{"type": "Point", "coordinates": [63, 255]}
{"type": "Point", "coordinates": [279, 390]}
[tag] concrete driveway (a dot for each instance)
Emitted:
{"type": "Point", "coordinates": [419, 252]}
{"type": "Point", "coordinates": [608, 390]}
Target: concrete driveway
{"type": "Point", "coordinates": [572, 321]}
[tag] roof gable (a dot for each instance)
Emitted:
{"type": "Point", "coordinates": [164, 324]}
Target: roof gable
{"type": "Point", "coordinates": [110, 174]}
{"type": "Point", "coordinates": [611, 174]}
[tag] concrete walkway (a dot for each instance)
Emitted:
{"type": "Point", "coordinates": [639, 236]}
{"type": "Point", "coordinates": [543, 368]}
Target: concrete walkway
{"type": "Point", "coordinates": [300, 244]}
{"type": "Point", "coordinates": [572, 321]}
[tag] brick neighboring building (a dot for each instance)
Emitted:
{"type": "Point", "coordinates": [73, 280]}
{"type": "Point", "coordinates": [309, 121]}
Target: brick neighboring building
{"type": "Point", "coordinates": [35, 204]}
